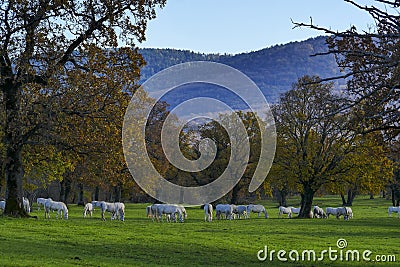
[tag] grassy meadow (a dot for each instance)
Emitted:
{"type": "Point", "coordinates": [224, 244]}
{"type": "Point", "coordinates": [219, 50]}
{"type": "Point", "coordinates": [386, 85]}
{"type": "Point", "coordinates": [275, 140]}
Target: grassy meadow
{"type": "Point", "coordinates": [139, 242]}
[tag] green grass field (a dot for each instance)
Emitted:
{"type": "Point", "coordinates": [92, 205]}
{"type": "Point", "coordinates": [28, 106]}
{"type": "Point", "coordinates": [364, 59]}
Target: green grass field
{"type": "Point", "coordinates": [139, 242]}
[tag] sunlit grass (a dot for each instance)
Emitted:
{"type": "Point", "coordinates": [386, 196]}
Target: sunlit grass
{"type": "Point", "coordinates": [138, 241]}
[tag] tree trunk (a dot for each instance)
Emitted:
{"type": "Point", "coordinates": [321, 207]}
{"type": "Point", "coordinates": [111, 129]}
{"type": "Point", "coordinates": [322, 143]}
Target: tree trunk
{"type": "Point", "coordinates": [343, 199]}
{"type": "Point", "coordinates": [14, 192]}
{"type": "Point", "coordinates": [96, 193]}
{"type": "Point", "coordinates": [65, 190]}
{"type": "Point", "coordinates": [393, 197]}
{"type": "Point", "coordinates": [117, 193]}
{"type": "Point", "coordinates": [351, 194]}
{"type": "Point", "coordinates": [13, 142]}
{"type": "Point", "coordinates": [235, 194]}
{"type": "Point", "coordinates": [80, 195]}
{"type": "Point", "coordinates": [282, 197]}
{"type": "Point", "coordinates": [306, 202]}
{"type": "Point", "coordinates": [62, 190]}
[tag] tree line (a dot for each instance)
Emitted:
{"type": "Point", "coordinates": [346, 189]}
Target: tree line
{"type": "Point", "coordinates": [65, 83]}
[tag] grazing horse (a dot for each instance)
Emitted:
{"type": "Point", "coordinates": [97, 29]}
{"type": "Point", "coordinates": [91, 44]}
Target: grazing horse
{"type": "Point", "coordinates": [284, 210]}
{"type": "Point", "coordinates": [208, 212]}
{"type": "Point", "coordinates": [295, 210]}
{"type": "Point", "coordinates": [319, 212]}
{"type": "Point", "coordinates": [240, 211]}
{"type": "Point", "coordinates": [330, 211]}
{"type": "Point", "coordinates": [224, 209]}
{"type": "Point", "coordinates": [51, 205]}
{"type": "Point", "coordinates": [394, 210]}
{"type": "Point", "coordinates": [257, 209]}
{"type": "Point", "coordinates": [120, 207]}
{"type": "Point", "coordinates": [345, 211]}
{"type": "Point", "coordinates": [88, 209]}
{"type": "Point", "coordinates": [116, 209]}
{"type": "Point", "coordinates": [41, 201]}
{"type": "Point", "coordinates": [183, 210]}
{"type": "Point", "coordinates": [170, 210]}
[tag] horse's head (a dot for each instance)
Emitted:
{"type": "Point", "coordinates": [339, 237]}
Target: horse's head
{"type": "Point", "coordinates": [66, 215]}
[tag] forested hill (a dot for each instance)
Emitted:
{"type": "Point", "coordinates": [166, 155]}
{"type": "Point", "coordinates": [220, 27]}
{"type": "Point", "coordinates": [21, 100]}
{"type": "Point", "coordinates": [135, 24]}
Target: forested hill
{"type": "Point", "coordinates": [273, 69]}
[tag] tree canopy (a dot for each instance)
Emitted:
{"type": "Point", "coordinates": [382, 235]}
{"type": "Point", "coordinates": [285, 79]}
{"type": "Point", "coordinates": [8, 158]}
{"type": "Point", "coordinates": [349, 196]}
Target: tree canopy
{"type": "Point", "coordinates": [370, 62]}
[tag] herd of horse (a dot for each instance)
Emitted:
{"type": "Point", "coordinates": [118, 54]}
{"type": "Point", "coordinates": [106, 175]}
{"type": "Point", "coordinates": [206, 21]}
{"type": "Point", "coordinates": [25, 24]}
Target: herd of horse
{"type": "Point", "coordinates": [177, 213]}
{"type": "Point", "coordinates": [116, 209]}
{"type": "Point", "coordinates": [230, 212]}
{"type": "Point", "coordinates": [318, 212]}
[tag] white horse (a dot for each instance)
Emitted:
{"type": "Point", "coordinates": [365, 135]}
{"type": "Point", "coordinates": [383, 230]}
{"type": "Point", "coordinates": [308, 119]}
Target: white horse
{"type": "Point", "coordinates": [240, 211]}
{"type": "Point", "coordinates": [224, 209]}
{"type": "Point", "coordinates": [26, 205]}
{"type": "Point", "coordinates": [331, 211]}
{"type": "Point", "coordinates": [394, 210]}
{"type": "Point", "coordinates": [183, 210]}
{"type": "Point", "coordinates": [284, 210]}
{"type": "Point", "coordinates": [170, 210]}
{"type": "Point", "coordinates": [208, 212]}
{"type": "Point", "coordinates": [257, 209]}
{"type": "Point", "coordinates": [41, 201]}
{"type": "Point", "coordinates": [51, 205]}
{"type": "Point", "coordinates": [319, 212]}
{"type": "Point", "coordinates": [295, 210]}
{"type": "Point", "coordinates": [116, 209]}
{"type": "Point", "coordinates": [349, 212]}
{"type": "Point", "coordinates": [120, 207]}
{"type": "Point", "coordinates": [88, 209]}
{"type": "Point", "coordinates": [345, 211]}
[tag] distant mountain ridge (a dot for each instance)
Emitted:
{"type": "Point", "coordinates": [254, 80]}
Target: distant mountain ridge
{"type": "Point", "coordinates": [273, 69]}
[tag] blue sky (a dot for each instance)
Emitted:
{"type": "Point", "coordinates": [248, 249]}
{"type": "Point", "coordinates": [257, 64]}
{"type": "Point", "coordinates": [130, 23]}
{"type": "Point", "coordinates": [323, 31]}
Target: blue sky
{"type": "Point", "coordinates": [235, 26]}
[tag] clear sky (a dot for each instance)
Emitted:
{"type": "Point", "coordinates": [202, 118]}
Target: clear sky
{"type": "Point", "coordinates": [235, 26]}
